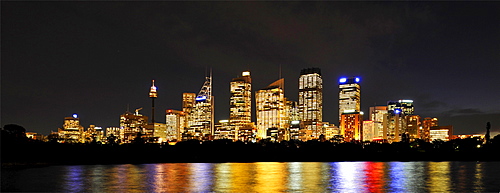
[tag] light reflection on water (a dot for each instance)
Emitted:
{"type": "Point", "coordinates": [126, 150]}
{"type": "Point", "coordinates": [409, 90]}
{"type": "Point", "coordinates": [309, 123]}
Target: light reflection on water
{"type": "Point", "coordinates": [261, 177]}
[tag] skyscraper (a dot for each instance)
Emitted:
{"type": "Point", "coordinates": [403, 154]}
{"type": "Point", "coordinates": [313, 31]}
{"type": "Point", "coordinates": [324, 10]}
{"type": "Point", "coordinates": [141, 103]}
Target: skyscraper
{"type": "Point", "coordinates": [271, 112]}
{"type": "Point", "coordinates": [350, 117]}
{"type": "Point", "coordinates": [311, 100]}
{"type": "Point", "coordinates": [349, 95]}
{"type": "Point", "coordinates": [202, 116]}
{"type": "Point", "coordinates": [240, 102]}
{"type": "Point", "coordinates": [175, 123]}
{"type": "Point", "coordinates": [397, 127]}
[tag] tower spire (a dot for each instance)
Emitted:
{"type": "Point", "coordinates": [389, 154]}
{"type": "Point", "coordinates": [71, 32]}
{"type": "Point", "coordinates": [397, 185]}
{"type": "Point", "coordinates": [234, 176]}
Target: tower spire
{"type": "Point", "coordinates": [153, 94]}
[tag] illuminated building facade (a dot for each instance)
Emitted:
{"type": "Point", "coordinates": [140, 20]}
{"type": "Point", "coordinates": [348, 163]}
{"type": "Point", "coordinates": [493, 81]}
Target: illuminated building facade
{"type": "Point", "coordinates": [311, 100]}
{"type": "Point", "coordinates": [175, 122]}
{"type": "Point", "coordinates": [271, 111]}
{"type": "Point", "coordinates": [188, 101]}
{"type": "Point", "coordinates": [155, 133]}
{"type": "Point", "coordinates": [427, 124]}
{"type": "Point", "coordinates": [132, 123]}
{"type": "Point", "coordinates": [413, 126]}
{"type": "Point", "coordinates": [201, 123]}
{"type": "Point", "coordinates": [402, 106]}
{"type": "Point", "coordinates": [351, 126]}
{"type": "Point", "coordinates": [72, 131]}
{"type": "Point", "coordinates": [94, 134]}
{"type": "Point", "coordinates": [114, 132]}
{"type": "Point", "coordinates": [444, 133]}
{"type": "Point", "coordinates": [224, 130]}
{"type": "Point", "coordinates": [240, 102]}
{"type": "Point", "coordinates": [368, 130]}
{"type": "Point", "coordinates": [378, 115]}
{"type": "Point", "coordinates": [349, 95]}
{"type": "Point", "coordinates": [247, 133]}
{"type": "Point", "coordinates": [397, 125]}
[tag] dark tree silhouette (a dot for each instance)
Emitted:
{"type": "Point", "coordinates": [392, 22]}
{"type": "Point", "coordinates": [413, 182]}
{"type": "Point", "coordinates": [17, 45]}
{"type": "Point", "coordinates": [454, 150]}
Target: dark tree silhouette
{"type": "Point", "coordinates": [13, 133]}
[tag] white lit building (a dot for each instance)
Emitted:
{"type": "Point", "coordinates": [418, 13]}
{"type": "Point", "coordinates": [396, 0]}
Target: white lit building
{"type": "Point", "coordinates": [310, 102]}
{"type": "Point", "coordinates": [240, 103]}
{"type": "Point", "coordinates": [271, 111]}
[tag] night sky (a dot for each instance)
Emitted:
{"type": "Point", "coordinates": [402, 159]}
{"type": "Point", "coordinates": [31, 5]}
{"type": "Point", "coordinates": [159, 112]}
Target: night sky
{"type": "Point", "coordinates": [97, 58]}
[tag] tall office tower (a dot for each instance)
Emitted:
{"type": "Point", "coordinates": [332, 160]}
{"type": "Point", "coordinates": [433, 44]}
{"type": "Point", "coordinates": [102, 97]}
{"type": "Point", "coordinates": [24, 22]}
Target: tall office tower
{"type": "Point", "coordinates": [72, 131]}
{"type": "Point", "coordinates": [413, 125]}
{"type": "Point", "coordinates": [427, 124]}
{"type": "Point", "coordinates": [271, 112]}
{"type": "Point", "coordinates": [378, 115]}
{"type": "Point", "coordinates": [202, 116]}
{"type": "Point", "coordinates": [132, 123]}
{"type": "Point", "coordinates": [188, 101]}
{"type": "Point", "coordinates": [349, 95]}
{"type": "Point", "coordinates": [311, 100]}
{"type": "Point", "coordinates": [351, 126]}
{"type": "Point", "coordinates": [397, 119]}
{"type": "Point", "coordinates": [153, 94]}
{"type": "Point", "coordinates": [240, 101]}
{"type": "Point", "coordinates": [175, 123]}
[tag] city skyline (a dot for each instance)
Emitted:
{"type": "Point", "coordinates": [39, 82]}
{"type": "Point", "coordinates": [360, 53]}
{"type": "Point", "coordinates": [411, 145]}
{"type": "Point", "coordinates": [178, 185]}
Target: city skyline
{"type": "Point", "coordinates": [95, 59]}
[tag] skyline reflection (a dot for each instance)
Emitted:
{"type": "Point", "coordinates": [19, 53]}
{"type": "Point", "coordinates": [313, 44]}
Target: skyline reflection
{"type": "Point", "coordinates": [272, 177]}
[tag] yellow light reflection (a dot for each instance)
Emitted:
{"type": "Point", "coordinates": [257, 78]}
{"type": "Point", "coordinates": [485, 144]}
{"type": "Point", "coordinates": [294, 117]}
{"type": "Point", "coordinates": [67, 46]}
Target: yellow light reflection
{"type": "Point", "coordinates": [439, 177]}
{"type": "Point", "coordinates": [242, 174]}
{"type": "Point", "coordinates": [271, 177]}
{"type": "Point", "coordinates": [223, 177]}
{"type": "Point", "coordinates": [312, 176]}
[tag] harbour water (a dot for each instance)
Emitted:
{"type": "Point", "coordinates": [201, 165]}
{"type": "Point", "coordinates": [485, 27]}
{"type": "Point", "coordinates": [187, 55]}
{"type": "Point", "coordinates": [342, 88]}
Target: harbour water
{"type": "Point", "coordinates": [259, 177]}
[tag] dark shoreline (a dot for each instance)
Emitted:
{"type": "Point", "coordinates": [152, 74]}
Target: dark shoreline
{"type": "Point", "coordinates": [45, 154]}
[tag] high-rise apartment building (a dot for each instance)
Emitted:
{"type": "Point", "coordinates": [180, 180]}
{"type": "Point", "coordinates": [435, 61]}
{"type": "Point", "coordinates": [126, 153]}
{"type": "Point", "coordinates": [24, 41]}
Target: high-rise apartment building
{"type": "Point", "coordinates": [201, 123]}
{"type": "Point", "coordinates": [311, 100]}
{"type": "Point", "coordinates": [271, 112]}
{"type": "Point", "coordinates": [175, 123]}
{"type": "Point", "coordinates": [349, 95]}
{"type": "Point", "coordinates": [351, 126]}
{"type": "Point", "coordinates": [240, 102]}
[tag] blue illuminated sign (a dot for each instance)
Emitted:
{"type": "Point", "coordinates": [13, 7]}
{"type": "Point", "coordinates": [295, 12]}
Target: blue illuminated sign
{"type": "Point", "coordinates": [397, 111]}
{"type": "Point", "coordinates": [201, 98]}
{"type": "Point", "coordinates": [343, 80]}
{"type": "Point", "coordinates": [75, 115]}
{"type": "Point", "coordinates": [357, 79]}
